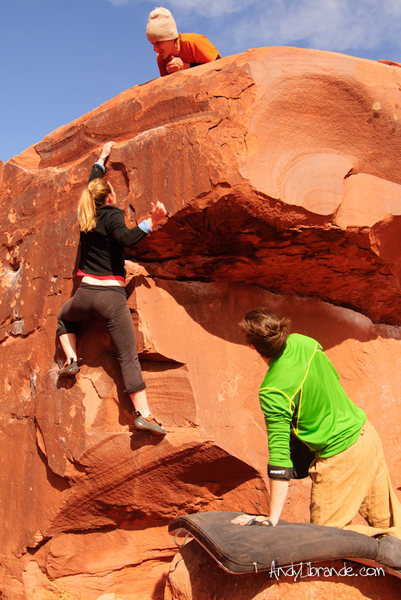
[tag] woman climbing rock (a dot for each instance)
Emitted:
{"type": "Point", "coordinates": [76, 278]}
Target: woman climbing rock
{"type": "Point", "coordinates": [103, 238]}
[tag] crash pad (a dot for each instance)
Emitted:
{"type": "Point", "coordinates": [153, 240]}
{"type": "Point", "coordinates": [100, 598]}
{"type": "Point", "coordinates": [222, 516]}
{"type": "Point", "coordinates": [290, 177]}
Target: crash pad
{"type": "Point", "coordinates": [241, 549]}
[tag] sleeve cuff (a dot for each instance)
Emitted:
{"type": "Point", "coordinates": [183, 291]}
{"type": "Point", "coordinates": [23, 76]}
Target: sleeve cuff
{"type": "Point", "coordinates": [279, 472]}
{"type": "Point", "coordinates": [145, 227]}
{"type": "Point", "coordinates": [99, 164]}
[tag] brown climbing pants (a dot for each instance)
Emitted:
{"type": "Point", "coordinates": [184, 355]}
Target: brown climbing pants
{"type": "Point", "coordinates": [356, 480]}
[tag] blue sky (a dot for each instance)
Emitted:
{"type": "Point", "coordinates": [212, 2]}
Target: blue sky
{"type": "Point", "coordinates": [62, 58]}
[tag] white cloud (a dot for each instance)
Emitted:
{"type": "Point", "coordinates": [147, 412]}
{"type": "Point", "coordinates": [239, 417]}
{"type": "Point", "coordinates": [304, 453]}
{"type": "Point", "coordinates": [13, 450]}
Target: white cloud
{"type": "Point", "coordinates": [202, 8]}
{"type": "Point", "coordinates": [211, 8]}
{"type": "Point", "coordinates": [339, 25]}
{"type": "Point", "coordinates": [119, 2]}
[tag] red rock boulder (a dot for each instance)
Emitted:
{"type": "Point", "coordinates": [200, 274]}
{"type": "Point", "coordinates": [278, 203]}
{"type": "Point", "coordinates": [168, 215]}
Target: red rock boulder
{"type": "Point", "coordinates": [280, 171]}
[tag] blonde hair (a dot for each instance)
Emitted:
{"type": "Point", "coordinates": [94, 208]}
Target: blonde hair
{"type": "Point", "coordinates": [91, 198]}
{"type": "Point", "coordinates": [266, 331]}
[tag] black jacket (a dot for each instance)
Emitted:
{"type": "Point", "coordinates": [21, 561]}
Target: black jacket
{"type": "Point", "coordinates": [102, 248]}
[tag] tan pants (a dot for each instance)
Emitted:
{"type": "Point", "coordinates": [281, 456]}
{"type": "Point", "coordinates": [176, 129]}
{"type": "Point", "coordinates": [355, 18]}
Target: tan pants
{"type": "Point", "coordinates": [353, 481]}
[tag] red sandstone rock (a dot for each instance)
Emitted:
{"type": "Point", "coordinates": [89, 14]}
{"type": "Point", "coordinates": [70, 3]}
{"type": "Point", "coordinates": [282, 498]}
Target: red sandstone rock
{"type": "Point", "coordinates": [280, 171]}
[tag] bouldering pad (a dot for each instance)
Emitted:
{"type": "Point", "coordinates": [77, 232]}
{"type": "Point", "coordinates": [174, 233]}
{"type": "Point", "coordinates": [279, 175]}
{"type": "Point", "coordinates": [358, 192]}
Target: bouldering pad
{"type": "Point", "coordinates": [238, 549]}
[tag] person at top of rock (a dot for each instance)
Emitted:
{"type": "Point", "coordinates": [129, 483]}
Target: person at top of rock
{"type": "Point", "coordinates": [176, 52]}
{"type": "Point", "coordinates": [301, 393]}
{"type": "Point", "coordinates": [103, 238]}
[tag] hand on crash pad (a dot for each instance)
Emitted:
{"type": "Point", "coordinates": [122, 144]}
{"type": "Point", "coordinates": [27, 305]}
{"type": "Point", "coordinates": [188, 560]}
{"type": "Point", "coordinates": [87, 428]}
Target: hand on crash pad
{"type": "Point", "coordinates": [245, 519]}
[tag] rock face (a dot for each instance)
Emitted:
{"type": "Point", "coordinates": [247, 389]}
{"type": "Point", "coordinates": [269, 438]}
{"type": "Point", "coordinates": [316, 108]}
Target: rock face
{"type": "Point", "coordinates": [280, 169]}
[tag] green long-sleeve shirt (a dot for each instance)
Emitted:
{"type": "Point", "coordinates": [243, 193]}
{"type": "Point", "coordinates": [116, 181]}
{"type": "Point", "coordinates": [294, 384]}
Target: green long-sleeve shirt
{"type": "Point", "coordinates": [301, 392]}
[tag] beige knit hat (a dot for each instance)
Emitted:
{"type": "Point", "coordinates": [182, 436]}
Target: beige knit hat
{"type": "Point", "coordinates": [161, 25]}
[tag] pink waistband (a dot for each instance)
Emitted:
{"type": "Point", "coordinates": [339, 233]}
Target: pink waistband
{"type": "Point", "coordinates": [113, 277]}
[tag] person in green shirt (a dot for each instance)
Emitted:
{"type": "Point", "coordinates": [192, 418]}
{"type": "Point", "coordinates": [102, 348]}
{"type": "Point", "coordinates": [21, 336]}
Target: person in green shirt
{"type": "Point", "coordinates": [301, 396]}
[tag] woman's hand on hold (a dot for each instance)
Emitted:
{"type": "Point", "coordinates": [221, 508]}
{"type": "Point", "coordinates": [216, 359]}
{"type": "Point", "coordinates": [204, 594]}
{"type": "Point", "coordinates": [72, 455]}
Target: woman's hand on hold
{"type": "Point", "coordinates": [105, 153]}
{"type": "Point", "coordinates": [157, 213]}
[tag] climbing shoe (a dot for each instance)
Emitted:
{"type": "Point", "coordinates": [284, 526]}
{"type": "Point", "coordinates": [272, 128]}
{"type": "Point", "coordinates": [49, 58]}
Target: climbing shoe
{"type": "Point", "coordinates": [149, 424]}
{"type": "Point", "coordinates": [69, 368]}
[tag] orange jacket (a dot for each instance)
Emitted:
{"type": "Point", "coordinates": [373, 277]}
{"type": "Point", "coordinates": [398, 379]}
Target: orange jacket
{"type": "Point", "coordinates": [195, 49]}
